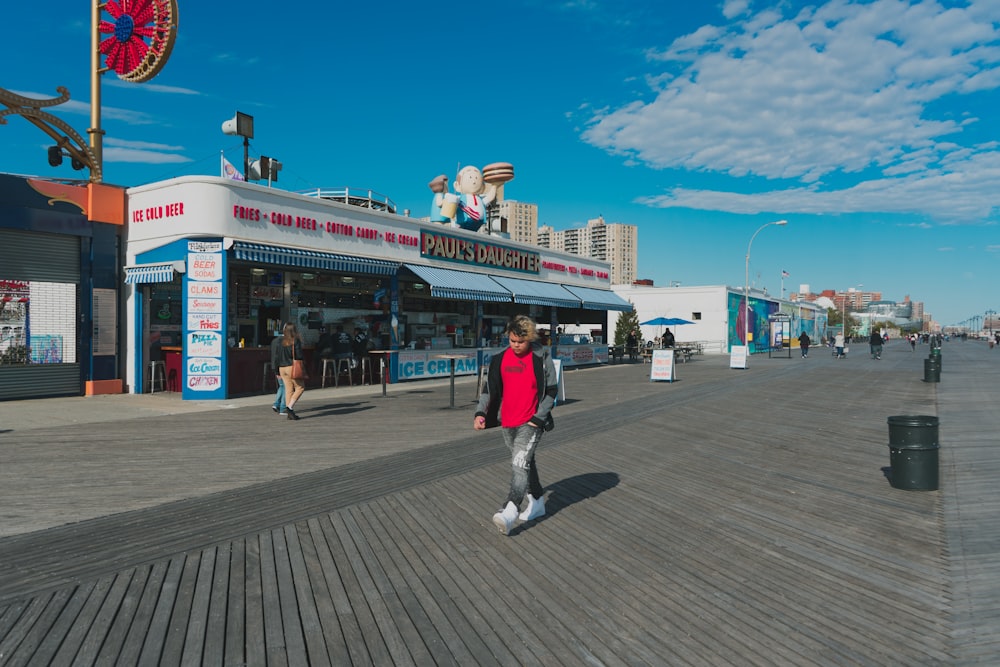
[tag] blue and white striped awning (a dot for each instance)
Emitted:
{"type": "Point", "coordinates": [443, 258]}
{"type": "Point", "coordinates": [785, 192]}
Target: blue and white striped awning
{"type": "Point", "coordinates": [538, 293]}
{"type": "Point", "coordinates": [449, 284]}
{"type": "Point", "coordinates": [599, 299]}
{"type": "Point", "coordinates": [160, 272]}
{"type": "Point", "coordinates": [311, 259]}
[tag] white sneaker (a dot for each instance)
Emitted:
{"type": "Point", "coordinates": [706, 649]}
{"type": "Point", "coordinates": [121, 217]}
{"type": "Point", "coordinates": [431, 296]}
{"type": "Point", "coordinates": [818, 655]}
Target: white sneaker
{"type": "Point", "coordinates": [504, 519]}
{"type": "Point", "coordinates": [535, 509]}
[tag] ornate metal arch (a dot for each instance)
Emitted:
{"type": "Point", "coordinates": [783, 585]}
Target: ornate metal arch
{"type": "Point", "coordinates": [65, 136]}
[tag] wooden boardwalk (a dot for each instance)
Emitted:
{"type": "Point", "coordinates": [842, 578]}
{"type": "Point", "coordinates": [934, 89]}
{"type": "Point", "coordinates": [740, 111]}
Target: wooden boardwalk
{"type": "Point", "coordinates": [730, 517]}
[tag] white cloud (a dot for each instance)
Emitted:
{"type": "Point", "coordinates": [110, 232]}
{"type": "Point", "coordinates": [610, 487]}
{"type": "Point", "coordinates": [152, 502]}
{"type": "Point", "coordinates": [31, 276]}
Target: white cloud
{"type": "Point", "coordinates": [841, 90]}
{"type": "Point", "coordinates": [118, 150]}
{"type": "Point", "coordinates": [734, 8]}
{"type": "Point", "coordinates": [152, 87]}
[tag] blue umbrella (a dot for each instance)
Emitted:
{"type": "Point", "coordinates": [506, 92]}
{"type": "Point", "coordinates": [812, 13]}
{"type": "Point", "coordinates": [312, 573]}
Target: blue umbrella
{"type": "Point", "coordinates": [659, 322]}
{"type": "Point", "coordinates": [674, 321]}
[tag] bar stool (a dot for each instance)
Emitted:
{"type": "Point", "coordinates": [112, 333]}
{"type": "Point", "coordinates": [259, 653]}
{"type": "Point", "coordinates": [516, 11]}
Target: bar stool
{"type": "Point", "coordinates": [343, 364]}
{"type": "Point", "coordinates": [268, 376]}
{"type": "Point", "coordinates": [366, 367]}
{"type": "Point", "coordinates": [157, 372]}
{"type": "Point", "coordinates": [327, 364]}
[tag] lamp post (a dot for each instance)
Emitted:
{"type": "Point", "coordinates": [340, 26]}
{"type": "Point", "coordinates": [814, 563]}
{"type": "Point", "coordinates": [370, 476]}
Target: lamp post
{"type": "Point", "coordinates": [746, 285]}
{"type": "Point", "coordinates": [242, 125]}
{"type": "Point", "coordinates": [989, 320]}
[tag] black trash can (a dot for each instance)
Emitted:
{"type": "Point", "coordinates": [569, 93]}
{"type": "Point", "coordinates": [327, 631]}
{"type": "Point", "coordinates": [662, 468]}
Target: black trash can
{"type": "Point", "coordinates": [932, 369]}
{"type": "Point", "coordinates": [913, 452]}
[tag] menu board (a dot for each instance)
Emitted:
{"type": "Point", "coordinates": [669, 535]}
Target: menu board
{"type": "Point", "coordinates": [204, 326]}
{"type": "Point", "coordinates": [242, 300]}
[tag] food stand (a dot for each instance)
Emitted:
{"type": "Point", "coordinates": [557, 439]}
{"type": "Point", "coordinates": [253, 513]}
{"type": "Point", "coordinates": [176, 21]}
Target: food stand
{"type": "Point", "coordinates": [237, 260]}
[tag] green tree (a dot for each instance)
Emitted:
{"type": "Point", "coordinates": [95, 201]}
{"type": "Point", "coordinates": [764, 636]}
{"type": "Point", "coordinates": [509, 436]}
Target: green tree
{"type": "Point", "coordinates": [627, 321]}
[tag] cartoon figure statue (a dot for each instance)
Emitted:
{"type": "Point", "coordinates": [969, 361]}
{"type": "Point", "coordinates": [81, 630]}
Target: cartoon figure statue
{"type": "Point", "coordinates": [474, 197]}
{"type": "Point", "coordinates": [441, 209]}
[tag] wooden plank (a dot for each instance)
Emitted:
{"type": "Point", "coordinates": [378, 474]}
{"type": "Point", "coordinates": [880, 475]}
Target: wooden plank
{"type": "Point", "coordinates": [181, 611]}
{"type": "Point", "coordinates": [345, 643]}
{"type": "Point", "coordinates": [235, 608]}
{"type": "Point", "coordinates": [216, 622]}
{"type": "Point", "coordinates": [122, 617]}
{"type": "Point", "coordinates": [411, 574]}
{"type": "Point", "coordinates": [306, 604]}
{"type": "Point", "coordinates": [159, 622]}
{"type": "Point", "coordinates": [274, 630]}
{"type": "Point", "coordinates": [256, 649]}
{"type": "Point", "coordinates": [393, 627]}
{"type": "Point", "coordinates": [145, 607]}
{"type": "Point", "coordinates": [77, 633]}
{"type": "Point", "coordinates": [20, 641]}
{"type": "Point", "coordinates": [294, 641]}
{"type": "Point", "coordinates": [367, 646]}
{"type": "Point", "coordinates": [192, 643]}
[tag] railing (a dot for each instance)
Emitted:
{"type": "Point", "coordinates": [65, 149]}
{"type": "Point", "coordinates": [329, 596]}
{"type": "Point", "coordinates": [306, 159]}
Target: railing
{"type": "Point", "coordinates": [355, 197]}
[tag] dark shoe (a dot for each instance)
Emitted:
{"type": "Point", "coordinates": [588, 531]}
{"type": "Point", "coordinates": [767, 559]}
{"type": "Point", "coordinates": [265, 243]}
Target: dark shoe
{"type": "Point", "coordinates": [291, 414]}
{"type": "Point", "coordinates": [275, 408]}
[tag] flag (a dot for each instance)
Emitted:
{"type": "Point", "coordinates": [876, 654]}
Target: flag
{"type": "Point", "coordinates": [230, 171]}
{"type": "Point", "coordinates": [784, 274]}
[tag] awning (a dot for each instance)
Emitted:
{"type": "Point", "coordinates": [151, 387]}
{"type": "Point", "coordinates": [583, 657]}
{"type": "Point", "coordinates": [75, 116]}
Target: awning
{"type": "Point", "coordinates": [599, 299]}
{"type": "Point", "coordinates": [160, 272]}
{"type": "Point", "coordinates": [449, 284]}
{"type": "Point", "coordinates": [311, 259]}
{"type": "Point", "coordinates": [538, 293]}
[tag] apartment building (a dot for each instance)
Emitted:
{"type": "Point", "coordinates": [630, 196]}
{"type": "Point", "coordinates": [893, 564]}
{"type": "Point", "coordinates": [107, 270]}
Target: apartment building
{"type": "Point", "coordinates": [615, 243]}
{"type": "Point", "coordinates": [522, 220]}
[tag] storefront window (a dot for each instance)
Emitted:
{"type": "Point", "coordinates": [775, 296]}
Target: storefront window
{"type": "Point", "coordinates": [165, 311]}
{"type": "Point", "coordinates": [37, 323]}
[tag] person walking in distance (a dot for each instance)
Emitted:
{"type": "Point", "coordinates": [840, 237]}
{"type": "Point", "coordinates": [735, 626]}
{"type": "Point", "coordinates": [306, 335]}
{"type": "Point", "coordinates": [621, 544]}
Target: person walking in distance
{"type": "Point", "coordinates": [875, 341]}
{"type": "Point", "coordinates": [804, 344]}
{"type": "Point", "coordinates": [838, 344]}
{"type": "Point", "coordinates": [289, 350]}
{"type": "Point", "coordinates": [279, 396]}
{"type": "Point", "coordinates": [521, 388]}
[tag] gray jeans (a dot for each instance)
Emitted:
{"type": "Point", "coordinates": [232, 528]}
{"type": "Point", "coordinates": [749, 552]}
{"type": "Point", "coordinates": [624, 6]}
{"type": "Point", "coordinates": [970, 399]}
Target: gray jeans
{"type": "Point", "coordinates": [522, 441]}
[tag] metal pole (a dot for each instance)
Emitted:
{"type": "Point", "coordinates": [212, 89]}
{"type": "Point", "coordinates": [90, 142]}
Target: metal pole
{"type": "Point", "coordinates": [452, 382]}
{"type": "Point", "coordinates": [746, 284]}
{"type": "Point", "coordinates": [95, 131]}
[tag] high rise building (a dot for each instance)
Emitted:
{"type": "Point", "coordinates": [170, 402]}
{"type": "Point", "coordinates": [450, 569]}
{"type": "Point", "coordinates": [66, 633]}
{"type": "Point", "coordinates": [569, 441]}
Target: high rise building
{"type": "Point", "coordinates": [615, 243]}
{"type": "Point", "coordinates": [522, 220]}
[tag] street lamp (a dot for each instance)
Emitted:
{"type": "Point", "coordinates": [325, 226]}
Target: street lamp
{"type": "Point", "coordinates": [989, 320]}
{"type": "Point", "coordinates": [746, 284]}
{"type": "Point", "coordinates": [241, 124]}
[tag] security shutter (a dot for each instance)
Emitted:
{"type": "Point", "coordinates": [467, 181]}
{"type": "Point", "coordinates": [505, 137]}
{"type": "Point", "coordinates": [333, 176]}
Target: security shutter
{"type": "Point", "coordinates": [53, 258]}
{"type": "Point", "coordinates": [37, 257]}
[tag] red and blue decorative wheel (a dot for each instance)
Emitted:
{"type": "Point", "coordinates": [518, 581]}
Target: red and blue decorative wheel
{"type": "Point", "coordinates": [127, 50]}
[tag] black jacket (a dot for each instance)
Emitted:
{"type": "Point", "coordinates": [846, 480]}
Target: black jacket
{"type": "Point", "coordinates": [284, 353]}
{"type": "Point", "coordinates": [545, 378]}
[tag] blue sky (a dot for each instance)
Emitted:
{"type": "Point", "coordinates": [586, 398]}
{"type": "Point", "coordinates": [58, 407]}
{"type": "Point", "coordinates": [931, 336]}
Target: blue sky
{"type": "Point", "coordinates": [869, 126]}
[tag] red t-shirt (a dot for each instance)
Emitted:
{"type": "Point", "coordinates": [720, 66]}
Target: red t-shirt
{"type": "Point", "coordinates": [520, 391]}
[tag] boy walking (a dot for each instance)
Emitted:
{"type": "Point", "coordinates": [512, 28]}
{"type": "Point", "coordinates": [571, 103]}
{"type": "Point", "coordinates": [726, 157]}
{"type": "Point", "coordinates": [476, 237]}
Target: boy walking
{"type": "Point", "coordinates": [520, 391]}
